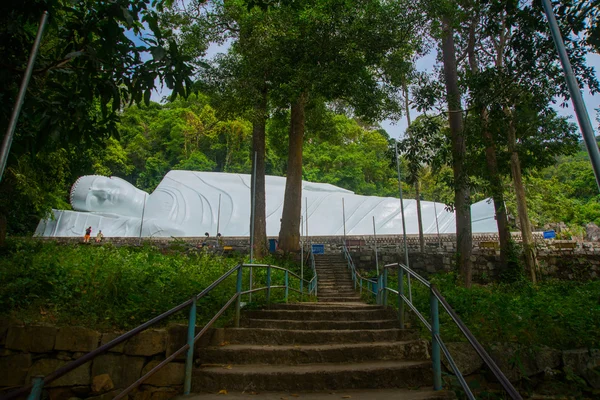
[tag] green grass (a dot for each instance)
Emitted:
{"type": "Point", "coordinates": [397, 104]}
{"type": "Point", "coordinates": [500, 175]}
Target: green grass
{"type": "Point", "coordinates": [107, 287]}
{"type": "Point", "coordinates": [559, 314]}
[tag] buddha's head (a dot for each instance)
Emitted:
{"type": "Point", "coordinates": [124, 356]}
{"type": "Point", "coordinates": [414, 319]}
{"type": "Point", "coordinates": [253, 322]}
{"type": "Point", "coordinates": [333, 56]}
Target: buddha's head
{"type": "Point", "coordinates": [95, 193]}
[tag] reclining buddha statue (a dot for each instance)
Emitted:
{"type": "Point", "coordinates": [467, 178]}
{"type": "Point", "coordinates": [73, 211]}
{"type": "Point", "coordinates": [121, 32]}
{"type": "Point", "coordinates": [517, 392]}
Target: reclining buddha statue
{"type": "Point", "coordinates": [190, 203]}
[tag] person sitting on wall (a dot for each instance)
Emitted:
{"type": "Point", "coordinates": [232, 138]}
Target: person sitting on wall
{"type": "Point", "coordinates": [99, 237]}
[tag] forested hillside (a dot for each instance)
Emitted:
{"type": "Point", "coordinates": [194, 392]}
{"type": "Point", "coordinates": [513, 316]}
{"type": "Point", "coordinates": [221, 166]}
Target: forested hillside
{"type": "Point", "coordinates": [192, 134]}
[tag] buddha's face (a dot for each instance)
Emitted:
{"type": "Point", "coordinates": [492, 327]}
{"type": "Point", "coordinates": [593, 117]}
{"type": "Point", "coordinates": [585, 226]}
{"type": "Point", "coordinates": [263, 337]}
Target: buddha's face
{"type": "Point", "coordinates": [113, 195]}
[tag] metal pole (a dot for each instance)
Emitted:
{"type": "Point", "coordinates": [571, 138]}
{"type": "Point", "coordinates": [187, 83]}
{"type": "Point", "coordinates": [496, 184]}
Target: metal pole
{"type": "Point", "coordinates": [38, 386]}
{"type": "Point", "coordinates": [437, 226]}
{"type": "Point", "coordinates": [189, 360]}
{"type": "Point", "coordinates": [12, 125]}
{"type": "Point", "coordinates": [375, 237]}
{"type": "Point", "coordinates": [403, 220]}
{"type": "Point", "coordinates": [344, 217]}
{"type": "Point", "coordinates": [253, 200]}
{"type": "Point", "coordinates": [253, 216]}
{"type": "Point", "coordinates": [301, 257]}
{"type": "Point", "coordinates": [218, 220]}
{"type": "Point", "coordinates": [400, 299]}
{"type": "Point", "coordinates": [238, 288]}
{"type": "Point", "coordinates": [268, 286]}
{"type": "Point", "coordinates": [580, 110]}
{"type": "Point", "coordinates": [142, 223]}
{"type": "Point", "coordinates": [306, 211]}
{"type": "Point", "coordinates": [435, 345]}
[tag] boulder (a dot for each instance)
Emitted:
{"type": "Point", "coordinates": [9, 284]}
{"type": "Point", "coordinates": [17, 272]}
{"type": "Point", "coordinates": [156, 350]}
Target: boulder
{"type": "Point", "coordinates": [31, 338]}
{"type": "Point", "coordinates": [78, 377]}
{"type": "Point", "coordinates": [147, 343]}
{"type": "Point", "coordinates": [171, 374]}
{"type": "Point", "coordinates": [465, 357]}
{"type": "Point", "coordinates": [102, 383]}
{"type": "Point", "coordinates": [14, 369]}
{"type": "Point", "coordinates": [512, 361]}
{"type": "Point", "coordinates": [77, 338]}
{"type": "Point", "coordinates": [122, 370]}
{"type": "Point", "coordinates": [585, 363]}
{"type": "Point", "coordinates": [592, 232]}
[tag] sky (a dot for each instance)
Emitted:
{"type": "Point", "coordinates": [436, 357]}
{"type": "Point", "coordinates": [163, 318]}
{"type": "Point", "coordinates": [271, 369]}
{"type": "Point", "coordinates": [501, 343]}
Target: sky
{"type": "Point", "coordinates": [426, 64]}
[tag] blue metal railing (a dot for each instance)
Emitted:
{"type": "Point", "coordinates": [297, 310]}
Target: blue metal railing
{"type": "Point", "coordinates": [357, 279]}
{"type": "Point", "coordinates": [36, 387]}
{"type": "Point", "coordinates": [379, 288]}
{"type": "Point", "coordinates": [437, 344]}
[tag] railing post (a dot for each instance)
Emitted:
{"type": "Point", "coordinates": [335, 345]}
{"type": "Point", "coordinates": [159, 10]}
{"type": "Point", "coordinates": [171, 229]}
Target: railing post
{"type": "Point", "coordinates": [268, 285]}
{"type": "Point", "coordinates": [400, 298]}
{"type": "Point", "coordinates": [38, 385]}
{"type": "Point", "coordinates": [238, 288]}
{"type": "Point", "coordinates": [384, 287]}
{"type": "Point", "coordinates": [286, 286]}
{"type": "Point", "coordinates": [360, 284]}
{"type": "Point", "coordinates": [435, 346]}
{"type": "Point", "coordinates": [189, 360]}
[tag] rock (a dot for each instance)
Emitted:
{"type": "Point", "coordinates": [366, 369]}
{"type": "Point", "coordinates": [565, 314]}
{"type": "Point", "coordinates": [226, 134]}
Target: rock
{"type": "Point", "coordinates": [102, 383]}
{"type": "Point", "coordinates": [592, 232]}
{"type": "Point", "coordinates": [169, 375]}
{"type": "Point", "coordinates": [31, 338]}
{"type": "Point", "coordinates": [78, 377]}
{"type": "Point", "coordinates": [512, 362]}
{"type": "Point", "coordinates": [123, 370]}
{"type": "Point", "coordinates": [585, 363]}
{"type": "Point", "coordinates": [465, 357]}
{"type": "Point", "coordinates": [147, 343]}
{"type": "Point", "coordinates": [547, 359]}
{"type": "Point", "coordinates": [5, 323]}
{"type": "Point", "coordinates": [14, 369]}
{"type": "Point", "coordinates": [77, 338]}
{"type": "Point", "coordinates": [107, 337]}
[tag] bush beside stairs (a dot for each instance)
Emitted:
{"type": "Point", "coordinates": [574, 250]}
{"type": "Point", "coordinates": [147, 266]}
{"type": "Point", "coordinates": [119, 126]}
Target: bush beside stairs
{"type": "Point", "coordinates": [318, 350]}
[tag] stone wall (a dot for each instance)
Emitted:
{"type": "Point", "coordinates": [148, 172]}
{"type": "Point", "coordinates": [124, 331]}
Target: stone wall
{"type": "Point", "coordinates": [31, 350]}
{"type": "Point", "coordinates": [563, 259]}
{"type": "Point", "coordinates": [543, 370]}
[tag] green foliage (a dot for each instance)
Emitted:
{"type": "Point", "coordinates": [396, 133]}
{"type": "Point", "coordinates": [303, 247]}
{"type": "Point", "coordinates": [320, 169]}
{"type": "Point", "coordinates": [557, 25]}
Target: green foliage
{"type": "Point", "coordinates": [117, 287]}
{"type": "Point", "coordinates": [559, 314]}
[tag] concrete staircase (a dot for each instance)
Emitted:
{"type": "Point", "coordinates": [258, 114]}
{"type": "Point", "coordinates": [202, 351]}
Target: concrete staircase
{"type": "Point", "coordinates": [337, 344]}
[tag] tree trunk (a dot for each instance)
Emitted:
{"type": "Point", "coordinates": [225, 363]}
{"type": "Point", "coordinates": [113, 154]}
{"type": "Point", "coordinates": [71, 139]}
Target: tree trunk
{"type": "Point", "coordinates": [289, 235]}
{"type": "Point", "coordinates": [462, 198]}
{"type": "Point", "coordinates": [490, 157]}
{"type": "Point", "coordinates": [419, 217]}
{"type": "Point", "coordinates": [497, 191]}
{"type": "Point", "coordinates": [515, 168]}
{"type": "Point", "coordinates": [258, 148]}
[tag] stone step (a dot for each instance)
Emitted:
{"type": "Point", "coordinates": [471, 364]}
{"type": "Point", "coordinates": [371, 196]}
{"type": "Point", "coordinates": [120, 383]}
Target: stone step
{"type": "Point", "coordinates": [371, 375]}
{"type": "Point", "coordinates": [322, 315]}
{"type": "Point", "coordinates": [320, 325]}
{"type": "Point", "coordinates": [311, 354]}
{"type": "Point", "coordinates": [324, 306]}
{"type": "Point", "coordinates": [315, 337]}
{"type": "Point", "coordinates": [335, 293]}
{"type": "Point", "coordinates": [354, 394]}
{"type": "Point", "coordinates": [329, 299]}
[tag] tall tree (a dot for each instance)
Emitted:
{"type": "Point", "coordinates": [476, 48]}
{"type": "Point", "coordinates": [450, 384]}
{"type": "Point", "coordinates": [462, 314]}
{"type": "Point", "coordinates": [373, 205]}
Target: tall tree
{"type": "Point", "coordinates": [94, 58]}
{"type": "Point", "coordinates": [462, 198]}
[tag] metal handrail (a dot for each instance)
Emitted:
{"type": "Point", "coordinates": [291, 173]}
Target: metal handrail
{"type": "Point", "coordinates": [356, 276]}
{"type": "Point", "coordinates": [437, 343]}
{"type": "Point", "coordinates": [35, 388]}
